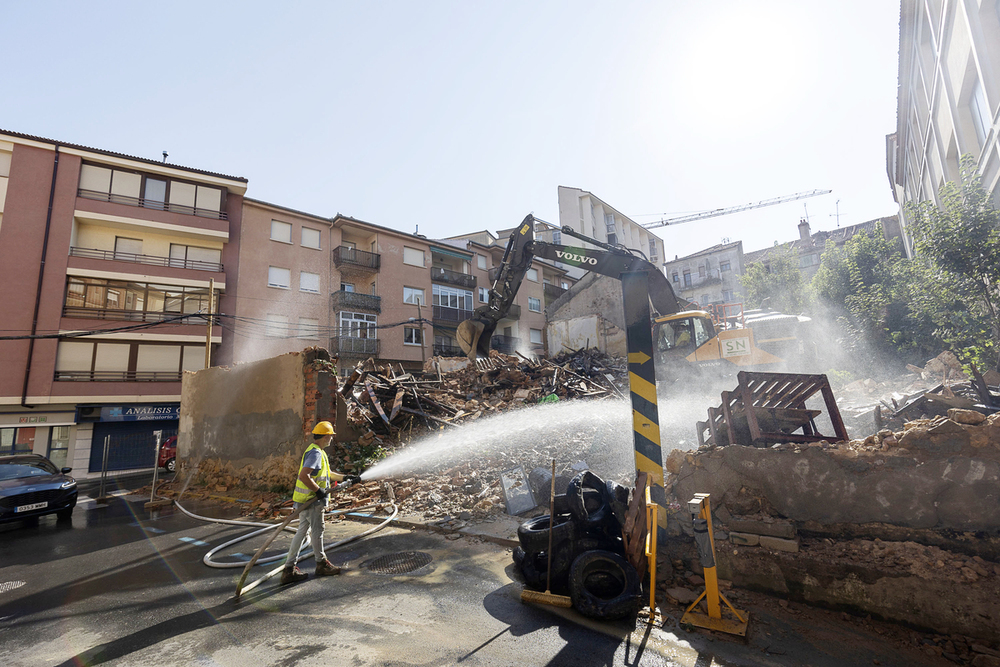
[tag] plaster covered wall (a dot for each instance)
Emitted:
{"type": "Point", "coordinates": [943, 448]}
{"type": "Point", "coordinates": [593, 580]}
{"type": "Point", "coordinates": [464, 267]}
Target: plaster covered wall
{"type": "Point", "coordinates": [248, 411]}
{"type": "Point", "coordinates": [586, 332]}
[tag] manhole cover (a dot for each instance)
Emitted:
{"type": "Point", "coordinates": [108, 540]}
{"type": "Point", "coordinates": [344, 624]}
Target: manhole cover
{"type": "Point", "coordinates": [398, 563]}
{"type": "Point", "coordinates": [7, 586]}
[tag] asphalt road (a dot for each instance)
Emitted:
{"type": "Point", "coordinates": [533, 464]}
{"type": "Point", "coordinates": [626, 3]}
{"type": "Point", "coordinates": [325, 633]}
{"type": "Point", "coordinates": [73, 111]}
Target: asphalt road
{"type": "Point", "coordinates": [117, 587]}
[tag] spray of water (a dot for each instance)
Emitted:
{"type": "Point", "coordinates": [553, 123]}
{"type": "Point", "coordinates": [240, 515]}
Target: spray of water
{"type": "Point", "coordinates": [599, 430]}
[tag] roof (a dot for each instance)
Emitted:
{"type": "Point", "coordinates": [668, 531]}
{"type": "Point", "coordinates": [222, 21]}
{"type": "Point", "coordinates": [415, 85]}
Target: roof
{"type": "Point", "coordinates": [817, 241]}
{"type": "Point", "coordinates": [348, 218]}
{"type": "Point", "coordinates": [101, 151]}
{"type": "Point", "coordinates": [279, 207]}
{"type": "Point", "coordinates": [707, 251]}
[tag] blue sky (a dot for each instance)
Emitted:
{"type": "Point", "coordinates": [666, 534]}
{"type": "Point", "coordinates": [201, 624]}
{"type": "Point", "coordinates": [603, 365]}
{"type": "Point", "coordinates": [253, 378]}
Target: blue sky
{"type": "Point", "coordinates": [460, 116]}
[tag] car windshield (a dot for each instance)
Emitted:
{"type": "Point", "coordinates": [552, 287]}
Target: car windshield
{"type": "Point", "coordinates": [19, 469]}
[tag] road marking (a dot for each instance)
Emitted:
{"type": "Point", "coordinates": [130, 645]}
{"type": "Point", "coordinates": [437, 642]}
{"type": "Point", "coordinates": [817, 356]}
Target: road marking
{"type": "Point", "coordinates": [191, 540]}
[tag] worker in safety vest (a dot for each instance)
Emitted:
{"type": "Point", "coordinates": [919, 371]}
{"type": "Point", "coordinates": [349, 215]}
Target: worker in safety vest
{"type": "Point", "coordinates": [313, 481]}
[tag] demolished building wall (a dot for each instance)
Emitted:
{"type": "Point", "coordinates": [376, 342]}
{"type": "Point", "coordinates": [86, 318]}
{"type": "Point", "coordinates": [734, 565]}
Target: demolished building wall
{"type": "Point", "coordinates": [251, 411]}
{"type": "Point", "coordinates": [588, 315]}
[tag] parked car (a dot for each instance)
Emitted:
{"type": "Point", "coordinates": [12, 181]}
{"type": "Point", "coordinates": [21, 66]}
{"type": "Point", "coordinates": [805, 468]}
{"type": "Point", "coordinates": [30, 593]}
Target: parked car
{"type": "Point", "coordinates": [31, 485]}
{"type": "Point", "coordinates": [168, 454]}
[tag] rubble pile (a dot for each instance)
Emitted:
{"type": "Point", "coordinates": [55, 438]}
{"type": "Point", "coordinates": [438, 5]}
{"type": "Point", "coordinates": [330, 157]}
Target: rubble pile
{"type": "Point", "coordinates": [382, 402]}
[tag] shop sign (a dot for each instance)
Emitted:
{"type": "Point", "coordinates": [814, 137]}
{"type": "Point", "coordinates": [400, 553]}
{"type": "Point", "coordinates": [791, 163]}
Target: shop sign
{"type": "Point", "coordinates": [136, 413]}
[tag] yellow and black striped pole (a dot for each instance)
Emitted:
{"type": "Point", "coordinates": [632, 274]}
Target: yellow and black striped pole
{"type": "Point", "coordinates": [642, 385]}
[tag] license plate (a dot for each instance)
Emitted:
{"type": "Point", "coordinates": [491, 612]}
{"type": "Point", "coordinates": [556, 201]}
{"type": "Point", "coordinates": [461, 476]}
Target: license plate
{"type": "Point", "coordinates": [33, 506]}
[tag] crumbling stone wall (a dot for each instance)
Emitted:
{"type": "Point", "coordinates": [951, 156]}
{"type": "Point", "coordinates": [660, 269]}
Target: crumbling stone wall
{"type": "Point", "coordinates": [248, 412]}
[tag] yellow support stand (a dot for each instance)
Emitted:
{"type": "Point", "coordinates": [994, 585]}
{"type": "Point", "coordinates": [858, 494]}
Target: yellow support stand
{"type": "Point", "coordinates": [652, 510]}
{"type": "Point", "coordinates": [701, 509]}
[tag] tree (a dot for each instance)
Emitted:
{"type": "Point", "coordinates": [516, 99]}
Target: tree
{"type": "Point", "coordinates": [776, 283]}
{"type": "Point", "coordinates": [960, 246]}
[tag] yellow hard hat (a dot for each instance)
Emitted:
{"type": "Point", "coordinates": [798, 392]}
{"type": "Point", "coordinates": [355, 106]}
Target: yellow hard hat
{"type": "Point", "coordinates": [324, 428]}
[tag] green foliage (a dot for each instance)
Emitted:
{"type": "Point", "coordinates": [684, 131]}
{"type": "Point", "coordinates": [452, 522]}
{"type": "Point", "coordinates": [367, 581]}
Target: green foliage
{"type": "Point", "coordinates": [839, 378]}
{"type": "Point", "coordinates": [959, 246]}
{"type": "Point", "coordinates": [776, 284]}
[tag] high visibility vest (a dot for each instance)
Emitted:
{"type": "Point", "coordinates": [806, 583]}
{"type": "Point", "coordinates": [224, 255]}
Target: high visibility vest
{"type": "Point", "coordinates": [302, 492]}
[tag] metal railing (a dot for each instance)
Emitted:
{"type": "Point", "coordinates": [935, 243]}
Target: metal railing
{"type": "Point", "coordinates": [554, 291]}
{"type": "Point", "coordinates": [96, 195]}
{"type": "Point", "coordinates": [441, 275]}
{"type": "Point", "coordinates": [132, 315]}
{"type": "Point", "coordinates": [342, 299]}
{"type": "Point", "coordinates": [447, 314]}
{"type": "Point", "coordinates": [344, 257]}
{"type": "Point", "coordinates": [442, 350]}
{"type": "Point", "coordinates": [117, 376]}
{"type": "Point", "coordinates": [505, 344]}
{"type": "Point", "coordinates": [152, 260]}
{"type": "Point", "coordinates": [350, 346]}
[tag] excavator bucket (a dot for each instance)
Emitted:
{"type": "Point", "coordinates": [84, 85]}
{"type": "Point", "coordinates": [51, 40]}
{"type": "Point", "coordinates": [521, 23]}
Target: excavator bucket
{"type": "Point", "coordinates": [474, 337]}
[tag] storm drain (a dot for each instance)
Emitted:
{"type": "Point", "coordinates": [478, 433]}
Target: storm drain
{"type": "Point", "coordinates": [8, 586]}
{"type": "Point", "coordinates": [398, 563]}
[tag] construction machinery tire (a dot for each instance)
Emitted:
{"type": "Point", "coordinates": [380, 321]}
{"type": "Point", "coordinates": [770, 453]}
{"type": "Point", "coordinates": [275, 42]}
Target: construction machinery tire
{"type": "Point", "coordinates": [587, 509]}
{"type": "Point", "coordinates": [604, 586]}
{"type": "Point", "coordinates": [534, 569]}
{"type": "Point", "coordinates": [533, 534]}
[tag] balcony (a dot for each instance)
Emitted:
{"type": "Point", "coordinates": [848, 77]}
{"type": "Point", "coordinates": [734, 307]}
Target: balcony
{"type": "Point", "coordinates": [134, 315]}
{"type": "Point", "coordinates": [345, 258]}
{"type": "Point", "coordinates": [151, 260]}
{"type": "Point", "coordinates": [342, 300]}
{"type": "Point", "coordinates": [446, 314]}
{"type": "Point", "coordinates": [348, 346]}
{"type": "Point", "coordinates": [117, 376]}
{"type": "Point", "coordinates": [514, 312]}
{"type": "Point", "coordinates": [553, 291]}
{"type": "Point", "coordinates": [448, 350]}
{"type": "Point", "coordinates": [152, 203]}
{"type": "Point", "coordinates": [465, 280]}
{"type": "Point", "coordinates": [505, 344]}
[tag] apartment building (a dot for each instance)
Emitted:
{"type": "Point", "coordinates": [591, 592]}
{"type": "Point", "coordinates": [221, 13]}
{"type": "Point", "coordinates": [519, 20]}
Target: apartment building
{"type": "Point", "coordinates": [286, 282]}
{"type": "Point", "coordinates": [107, 262]}
{"type": "Point", "coordinates": [948, 97]}
{"type": "Point", "coordinates": [593, 217]}
{"type": "Point", "coordinates": [709, 276]}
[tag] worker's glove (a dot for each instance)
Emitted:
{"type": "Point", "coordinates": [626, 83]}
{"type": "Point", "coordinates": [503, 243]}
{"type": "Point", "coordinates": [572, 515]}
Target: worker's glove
{"type": "Point", "coordinates": [321, 494]}
{"type": "Point", "coordinates": [352, 479]}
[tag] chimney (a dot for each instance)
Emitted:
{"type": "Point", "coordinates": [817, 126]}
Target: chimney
{"type": "Point", "coordinates": [804, 229]}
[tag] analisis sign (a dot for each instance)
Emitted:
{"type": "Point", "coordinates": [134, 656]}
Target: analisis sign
{"type": "Point", "coordinates": [135, 413]}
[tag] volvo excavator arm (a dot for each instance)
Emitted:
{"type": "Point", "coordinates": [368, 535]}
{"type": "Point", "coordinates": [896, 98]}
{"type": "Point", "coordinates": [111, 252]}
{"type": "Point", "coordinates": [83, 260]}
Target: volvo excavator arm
{"type": "Point", "coordinates": [474, 334]}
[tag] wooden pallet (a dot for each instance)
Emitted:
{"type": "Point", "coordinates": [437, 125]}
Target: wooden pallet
{"type": "Point", "coordinates": [767, 408]}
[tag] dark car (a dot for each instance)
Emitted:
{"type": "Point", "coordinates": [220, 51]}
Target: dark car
{"type": "Point", "coordinates": [30, 486]}
{"type": "Point", "coordinates": [168, 454]}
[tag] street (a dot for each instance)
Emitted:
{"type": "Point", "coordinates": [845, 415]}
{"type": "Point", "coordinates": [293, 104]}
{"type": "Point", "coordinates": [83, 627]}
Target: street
{"type": "Point", "coordinates": [113, 587]}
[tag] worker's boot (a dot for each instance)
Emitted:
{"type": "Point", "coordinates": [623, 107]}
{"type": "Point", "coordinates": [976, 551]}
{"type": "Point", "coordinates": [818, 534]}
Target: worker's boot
{"type": "Point", "coordinates": [291, 575]}
{"type": "Point", "coordinates": [325, 568]}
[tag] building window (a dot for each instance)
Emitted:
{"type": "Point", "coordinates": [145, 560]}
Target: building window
{"type": "Point", "coordinates": [277, 326]}
{"type": "Point", "coordinates": [281, 231]}
{"type": "Point", "coordinates": [414, 295]}
{"type": "Point", "coordinates": [309, 282]}
{"type": "Point", "coordinates": [484, 295]}
{"type": "Point", "coordinates": [412, 336]}
{"type": "Point", "coordinates": [308, 328]}
{"type": "Point", "coordinates": [17, 440]}
{"type": "Point", "coordinates": [724, 266]}
{"type": "Point", "coordinates": [534, 305]}
{"type": "Point", "coordinates": [981, 116]}
{"type": "Point", "coordinates": [134, 301]}
{"type": "Point", "coordinates": [806, 261]}
{"type": "Point", "coordinates": [452, 297]}
{"type": "Point", "coordinates": [727, 296]}
{"type": "Point", "coordinates": [278, 277]}
{"type": "Point", "coordinates": [532, 275]}
{"type": "Point", "coordinates": [126, 361]}
{"type": "Point", "coordinates": [58, 445]}
{"type": "Point", "coordinates": [557, 236]}
{"type": "Point", "coordinates": [127, 249]}
{"type": "Point", "coordinates": [704, 299]}
{"type": "Point", "coordinates": [701, 271]}
{"type": "Point", "coordinates": [310, 238]}
{"type": "Point", "coordinates": [357, 325]}
{"type": "Point", "coordinates": [675, 277]}
{"type": "Point", "coordinates": [346, 287]}
{"type": "Point", "coordinates": [481, 262]}
{"type": "Point", "coordinates": [687, 278]}
{"type": "Point", "coordinates": [157, 192]}
{"type": "Point", "coordinates": [535, 336]}
{"type": "Point", "coordinates": [193, 257]}
{"type": "Point", "coordinates": [413, 256]}
{"type": "Point", "coordinates": [564, 284]}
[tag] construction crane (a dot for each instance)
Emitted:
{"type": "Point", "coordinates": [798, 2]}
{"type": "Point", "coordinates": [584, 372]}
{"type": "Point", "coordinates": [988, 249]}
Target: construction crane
{"type": "Point", "coordinates": [735, 209]}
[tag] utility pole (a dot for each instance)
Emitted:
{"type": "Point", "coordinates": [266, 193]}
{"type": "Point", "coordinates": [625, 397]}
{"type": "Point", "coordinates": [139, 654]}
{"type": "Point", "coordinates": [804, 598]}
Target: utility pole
{"type": "Point", "coordinates": [211, 310]}
{"type": "Point", "coordinates": [423, 352]}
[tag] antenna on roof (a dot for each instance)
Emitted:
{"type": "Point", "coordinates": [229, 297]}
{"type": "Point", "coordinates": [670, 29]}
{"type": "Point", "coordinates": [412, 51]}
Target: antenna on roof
{"type": "Point", "coordinates": [165, 156]}
{"type": "Point", "coordinates": [837, 214]}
